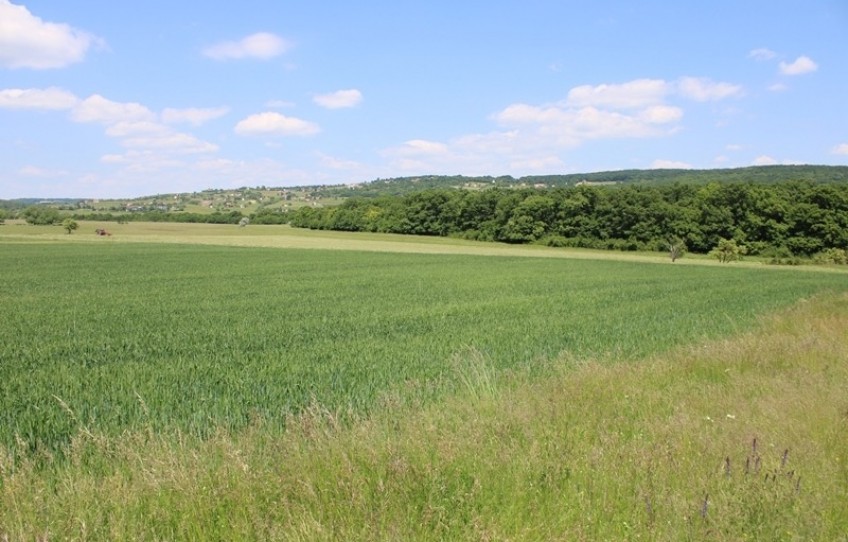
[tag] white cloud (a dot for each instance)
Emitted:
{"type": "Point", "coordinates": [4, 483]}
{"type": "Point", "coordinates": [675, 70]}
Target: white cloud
{"type": "Point", "coordinates": [96, 108]}
{"type": "Point", "coordinates": [26, 41]}
{"type": "Point", "coordinates": [801, 65]}
{"type": "Point", "coordinates": [669, 164]}
{"type": "Point", "coordinates": [840, 149]}
{"type": "Point", "coordinates": [170, 142]}
{"type": "Point", "coordinates": [762, 54]}
{"type": "Point", "coordinates": [262, 45]}
{"type": "Point", "coordinates": [634, 94]}
{"type": "Point", "coordinates": [419, 147]}
{"type": "Point", "coordinates": [661, 114]}
{"type": "Point", "coordinates": [777, 87]}
{"type": "Point", "coordinates": [193, 115]}
{"type": "Point", "coordinates": [571, 126]}
{"type": "Point", "coordinates": [339, 99]}
{"type": "Point", "coordinates": [35, 98]}
{"type": "Point", "coordinates": [733, 147]}
{"type": "Point", "coordinates": [270, 123]}
{"type": "Point", "coordinates": [702, 89]}
{"type": "Point", "coordinates": [764, 160]}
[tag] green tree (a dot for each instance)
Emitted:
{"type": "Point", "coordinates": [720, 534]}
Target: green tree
{"type": "Point", "coordinates": [69, 224]}
{"type": "Point", "coordinates": [727, 251]}
{"type": "Point", "coordinates": [40, 215]}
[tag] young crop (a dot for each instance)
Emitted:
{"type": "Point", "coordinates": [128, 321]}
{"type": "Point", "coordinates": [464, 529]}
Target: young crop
{"type": "Point", "coordinates": [110, 337]}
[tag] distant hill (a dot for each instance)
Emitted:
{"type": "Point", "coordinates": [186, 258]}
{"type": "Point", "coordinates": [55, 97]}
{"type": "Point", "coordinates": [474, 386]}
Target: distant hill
{"type": "Point", "coordinates": [250, 200]}
{"type": "Point", "coordinates": [757, 174]}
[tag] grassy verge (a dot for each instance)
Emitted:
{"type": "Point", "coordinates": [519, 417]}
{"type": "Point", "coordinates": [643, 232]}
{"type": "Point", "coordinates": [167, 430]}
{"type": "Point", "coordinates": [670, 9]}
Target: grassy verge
{"type": "Point", "coordinates": [735, 439]}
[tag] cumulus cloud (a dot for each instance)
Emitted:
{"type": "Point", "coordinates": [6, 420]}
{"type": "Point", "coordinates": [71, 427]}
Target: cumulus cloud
{"type": "Point", "coordinates": [193, 115]}
{"type": "Point", "coordinates": [36, 98]}
{"type": "Point", "coordinates": [26, 41]}
{"type": "Point", "coordinates": [134, 124]}
{"type": "Point", "coordinates": [762, 54]}
{"type": "Point", "coordinates": [139, 128]}
{"type": "Point", "coordinates": [702, 89]}
{"type": "Point", "coordinates": [670, 164]}
{"type": "Point", "coordinates": [661, 114]}
{"type": "Point", "coordinates": [840, 149]}
{"type": "Point", "coordinates": [801, 65]}
{"type": "Point", "coordinates": [262, 45]}
{"type": "Point", "coordinates": [634, 94]}
{"type": "Point", "coordinates": [339, 99]}
{"type": "Point", "coordinates": [570, 126]}
{"type": "Point", "coordinates": [532, 136]}
{"type": "Point", "coordinates": [270, 123]}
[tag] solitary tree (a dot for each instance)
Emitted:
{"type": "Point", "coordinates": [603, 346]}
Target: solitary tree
{"type": "Point", "coordinates": [727, 251]}
{"type": "Point", "coordinates": [676, 248]}
{"type": "Point", "coordinates": [70, 225]}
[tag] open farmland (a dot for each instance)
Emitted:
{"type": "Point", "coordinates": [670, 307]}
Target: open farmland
{"type": "Point", "coordinates": [209, 383]}
{"type": "Point", "coordinates": [114, 336]}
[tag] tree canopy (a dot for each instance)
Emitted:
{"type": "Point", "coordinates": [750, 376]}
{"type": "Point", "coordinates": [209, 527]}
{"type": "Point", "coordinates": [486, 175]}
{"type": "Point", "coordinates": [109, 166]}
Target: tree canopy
{"type": "Point", "coordinates": [801, 217]}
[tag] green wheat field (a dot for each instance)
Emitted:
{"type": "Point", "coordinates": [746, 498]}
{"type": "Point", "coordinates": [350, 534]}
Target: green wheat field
{"type": "Point", "coordinates": [191, 382]}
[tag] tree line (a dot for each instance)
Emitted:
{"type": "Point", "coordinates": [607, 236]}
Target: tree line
{"type": "Point", "coordinates": [796, 218]}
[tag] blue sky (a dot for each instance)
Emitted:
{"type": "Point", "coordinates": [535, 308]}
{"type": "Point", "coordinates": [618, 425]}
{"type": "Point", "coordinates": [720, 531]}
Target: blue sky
{"type": "Point", "coordinates": [120, 99]}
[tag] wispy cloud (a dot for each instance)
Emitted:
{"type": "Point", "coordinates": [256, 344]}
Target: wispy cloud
{"type": "Point", "coordinates": [702, 89]}
{"type": "Point", "coordinates": [670, 164]}
{"type": "Point", "coordinates": [840, 149]}
{"type": "Point", "coordinates": [193, 115]}
{"type": "Point", "coordinates": [764, 160]}
{"type": "Point", "coordinates": [339, 99]}
{"type": "Point", "coordinates": [262, 45]}
{"type": "Point", "coordinates": [762, 54]}
{"type": "Point", "coordinates": [26, 41]}
{"type": "Point", "coordinates": [271, 123]}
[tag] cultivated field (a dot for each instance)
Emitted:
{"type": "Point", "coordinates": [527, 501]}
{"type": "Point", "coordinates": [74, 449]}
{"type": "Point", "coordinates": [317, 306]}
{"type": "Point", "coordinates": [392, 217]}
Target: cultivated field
{"type": "Point", "coordinates": [215, 382]}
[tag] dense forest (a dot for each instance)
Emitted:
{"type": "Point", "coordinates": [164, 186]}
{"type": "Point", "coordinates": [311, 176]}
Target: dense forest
{"type": "Point", "coordinates": [798, 218]}
{"type": "Point", "coordinates": [757, 174]}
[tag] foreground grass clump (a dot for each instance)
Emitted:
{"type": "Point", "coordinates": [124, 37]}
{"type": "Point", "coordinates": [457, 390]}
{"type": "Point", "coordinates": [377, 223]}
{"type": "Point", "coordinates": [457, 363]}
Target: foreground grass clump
{"type": "Point", "coordinates": [741, 438]}
{"type": "Point", "coordinates": [111, 337]}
